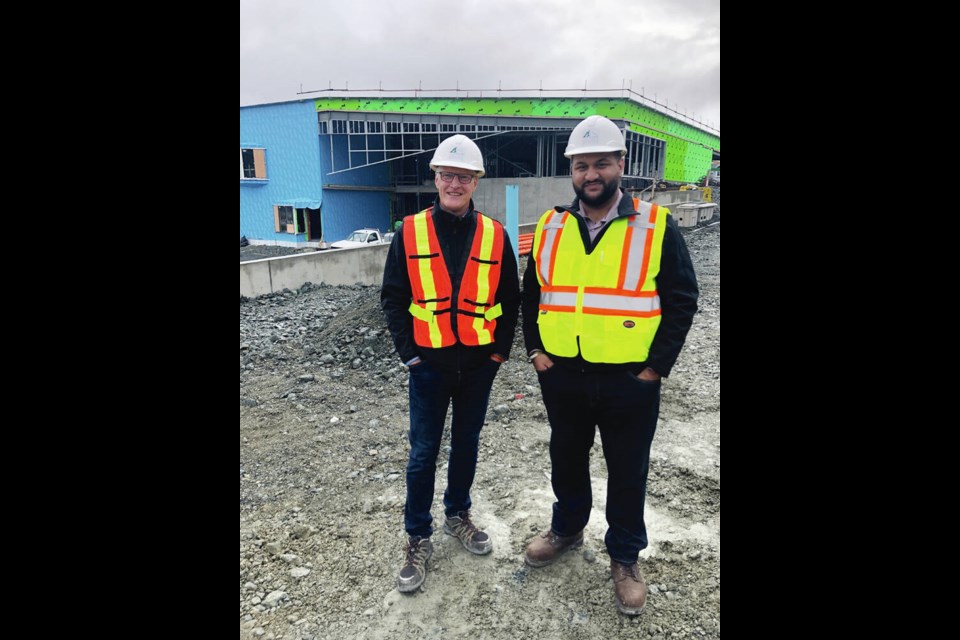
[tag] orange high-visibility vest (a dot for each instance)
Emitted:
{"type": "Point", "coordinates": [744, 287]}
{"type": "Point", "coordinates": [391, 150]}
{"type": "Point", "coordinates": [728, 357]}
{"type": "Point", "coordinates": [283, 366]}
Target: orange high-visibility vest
{"type": "Point", "coordinates": [604, 305]}
{"type": "Point", "coordinates": [431, 307]}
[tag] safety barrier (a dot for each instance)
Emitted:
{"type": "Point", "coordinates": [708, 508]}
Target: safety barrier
{"type": "Point", "coordinates": [525, 243]}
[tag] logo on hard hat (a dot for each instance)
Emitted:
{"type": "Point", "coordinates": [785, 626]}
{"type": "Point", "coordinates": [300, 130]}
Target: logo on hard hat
{"type": "Point", "coordinates": [587, 134]}
{"type": "Point", "coordinates": [454, 150]}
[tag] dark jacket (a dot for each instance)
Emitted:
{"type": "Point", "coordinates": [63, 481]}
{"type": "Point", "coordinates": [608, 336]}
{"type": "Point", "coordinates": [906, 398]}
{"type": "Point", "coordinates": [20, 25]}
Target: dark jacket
{"type": "Point", "coordinates": [455, 235]}
{"type": "Point", "coordinates": [676, 285]}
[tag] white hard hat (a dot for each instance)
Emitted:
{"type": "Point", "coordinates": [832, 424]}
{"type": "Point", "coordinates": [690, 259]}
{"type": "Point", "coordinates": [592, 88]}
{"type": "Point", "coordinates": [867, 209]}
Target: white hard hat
{"type": "Point", "coordinates": [596, 134]}
{"type": "Point", "coordinates": [458, 151]}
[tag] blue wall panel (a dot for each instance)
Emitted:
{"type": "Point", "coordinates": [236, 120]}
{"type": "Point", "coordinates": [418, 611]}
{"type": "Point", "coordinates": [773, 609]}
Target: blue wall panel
{"type": "Point", "coordinates": [288, 132]}
{"type": "Point", "coordinates": [345, 210]}
{"type": "Point", "coordinates": [297, 161]}
{"type": "Point", "coordinates": [353, 210]}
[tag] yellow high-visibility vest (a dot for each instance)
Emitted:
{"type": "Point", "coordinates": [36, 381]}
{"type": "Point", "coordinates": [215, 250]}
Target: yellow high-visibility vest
{"type": "Point", "coordinates": [607, 301]}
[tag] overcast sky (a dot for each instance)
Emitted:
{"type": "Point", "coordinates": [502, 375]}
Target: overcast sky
{"type": "Point", "coordinates": [667, 49]}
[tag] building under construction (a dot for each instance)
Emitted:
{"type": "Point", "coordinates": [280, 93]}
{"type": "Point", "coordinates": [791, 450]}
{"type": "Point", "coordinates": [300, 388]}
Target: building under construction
{"type": "Point", "coordinates": [313, 170]}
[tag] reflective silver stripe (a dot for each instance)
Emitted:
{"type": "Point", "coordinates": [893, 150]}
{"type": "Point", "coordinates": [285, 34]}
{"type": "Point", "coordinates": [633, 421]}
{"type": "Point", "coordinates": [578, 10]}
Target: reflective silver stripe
{"type": "Point", "coordinates": [618, 303]}
{"type": "Point", "coordinates": [550, 236]}
{"type": "Point", "coordinates": [558, 299]}
{"type": "Point", "coordinates": [645, 210]}
{"type": "Point", "coordinates": [637, 223]}
{"type": "Point", "coordinates": [636, 254]}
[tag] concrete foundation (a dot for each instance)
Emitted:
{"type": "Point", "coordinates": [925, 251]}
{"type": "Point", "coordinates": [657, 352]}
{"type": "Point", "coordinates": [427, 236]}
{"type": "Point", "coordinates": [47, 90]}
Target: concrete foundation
{"type": "Point", "coordinates": [362, 265]}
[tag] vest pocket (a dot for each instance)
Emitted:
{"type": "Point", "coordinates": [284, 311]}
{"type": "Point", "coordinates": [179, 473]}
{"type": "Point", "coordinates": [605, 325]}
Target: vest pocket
{"type": "Point", "coordinates": [617, 339]}
{"type": "Point", "coordinates": [558, 332]}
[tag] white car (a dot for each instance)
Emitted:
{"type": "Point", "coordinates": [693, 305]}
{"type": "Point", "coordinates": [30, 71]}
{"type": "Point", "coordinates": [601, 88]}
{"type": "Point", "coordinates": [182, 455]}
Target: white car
{"type": "Point", "coordinates": [360, 238]}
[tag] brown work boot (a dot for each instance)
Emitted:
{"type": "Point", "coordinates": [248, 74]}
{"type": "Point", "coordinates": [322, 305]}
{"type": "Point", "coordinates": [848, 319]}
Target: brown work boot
{"type": "Point", "coordinates": [414, 570]}
{"type": "Point", "coordinates": [548, 546]}
{"type": "Point", "coordinates": [474, 540]}
{"type": "Point", "coordinates": [630, 588]}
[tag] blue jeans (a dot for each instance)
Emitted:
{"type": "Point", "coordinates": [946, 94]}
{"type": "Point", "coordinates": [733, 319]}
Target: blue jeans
{"type": "Point", "coordinates": [431, 392]}
{"type": "Point", "coordinates": [625, 410]}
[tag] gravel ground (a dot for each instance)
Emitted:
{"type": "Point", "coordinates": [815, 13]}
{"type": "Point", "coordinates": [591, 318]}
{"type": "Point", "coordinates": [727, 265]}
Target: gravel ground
{"type": "Point", "coordinates": [323, 448]}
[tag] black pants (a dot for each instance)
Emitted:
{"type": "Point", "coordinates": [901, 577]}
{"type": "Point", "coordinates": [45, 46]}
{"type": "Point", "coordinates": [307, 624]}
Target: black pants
{"type": "Point", "coordinates": [625, 409]}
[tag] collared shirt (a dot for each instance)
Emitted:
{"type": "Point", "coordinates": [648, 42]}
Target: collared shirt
{"type": "Point", "coordinates": [594, 227]}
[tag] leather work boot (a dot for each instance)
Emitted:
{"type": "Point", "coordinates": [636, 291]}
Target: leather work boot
{"type": "Point", "coordinates": [474, 540]}
{"type": "Point", "coordinates": [414, 570]}
{"type": "Point", "coordinates": [630, 588]}
{"type": "Point", "coordinates": [548, 546]}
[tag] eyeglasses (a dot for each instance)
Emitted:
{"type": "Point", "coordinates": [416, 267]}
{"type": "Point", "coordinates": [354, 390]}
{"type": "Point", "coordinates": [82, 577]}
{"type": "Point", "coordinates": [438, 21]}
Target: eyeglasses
{"type": "Point", "coordinates": [446, 176]}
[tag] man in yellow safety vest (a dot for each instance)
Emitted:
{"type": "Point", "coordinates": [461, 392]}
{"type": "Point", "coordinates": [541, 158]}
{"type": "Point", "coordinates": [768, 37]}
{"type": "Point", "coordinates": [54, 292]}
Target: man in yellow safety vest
{"type": "Point", "coordinates": [609, 295]}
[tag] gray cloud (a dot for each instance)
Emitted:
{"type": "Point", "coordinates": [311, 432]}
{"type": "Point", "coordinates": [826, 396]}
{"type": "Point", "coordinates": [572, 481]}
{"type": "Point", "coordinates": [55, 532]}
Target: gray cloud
{"type": "Point", "coordinates": [667, 48]}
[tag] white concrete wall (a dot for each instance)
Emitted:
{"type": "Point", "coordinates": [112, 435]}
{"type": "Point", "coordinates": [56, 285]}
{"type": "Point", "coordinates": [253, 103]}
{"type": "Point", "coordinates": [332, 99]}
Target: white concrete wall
{"type": "Point", "coordinates": [363, 265]}
{"type": "Point", "coordinates": [670, 199]}
{"type": "Point", "coordinates": [536, 196]}
{"type": "Point", "coordinates": [539, 194]}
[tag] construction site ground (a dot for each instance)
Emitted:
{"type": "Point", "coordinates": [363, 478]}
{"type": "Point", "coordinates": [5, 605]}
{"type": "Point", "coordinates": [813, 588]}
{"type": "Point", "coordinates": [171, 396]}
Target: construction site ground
{"type": "Point", "coordinates": [323, 451]}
